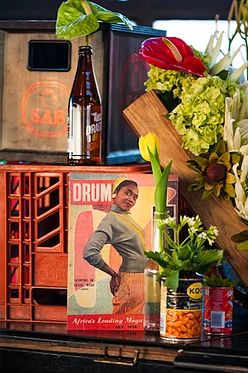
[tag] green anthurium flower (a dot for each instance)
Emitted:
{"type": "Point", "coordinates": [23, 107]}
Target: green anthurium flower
{"type": "Point", "coordinates": [76, 18]}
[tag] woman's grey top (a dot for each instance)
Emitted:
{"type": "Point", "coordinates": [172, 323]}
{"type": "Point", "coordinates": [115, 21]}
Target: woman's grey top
{"type": "Point", "coordinates": [124, 234]}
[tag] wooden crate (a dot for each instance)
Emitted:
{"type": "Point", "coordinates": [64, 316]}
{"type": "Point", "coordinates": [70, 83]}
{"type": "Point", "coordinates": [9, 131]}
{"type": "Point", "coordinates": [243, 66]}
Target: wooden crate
{"type": "Point", "coordinates": [34, 102]}
{"type": "Point", "coordinates": [33, 109]}
{"type": "Point", "coordinates": [148, 114]}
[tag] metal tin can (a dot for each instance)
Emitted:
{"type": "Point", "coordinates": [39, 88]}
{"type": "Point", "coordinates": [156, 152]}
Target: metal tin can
{"type": "Point", "coordinates": [218, 310]}
{"type": "Point", "coordinates": [181, 310]}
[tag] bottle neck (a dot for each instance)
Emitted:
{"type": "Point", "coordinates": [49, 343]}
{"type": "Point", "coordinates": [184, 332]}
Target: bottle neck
{"type": "Point", "coordinates": [85, 83]}
{"type": "Point", "coordinates": [84, 58]}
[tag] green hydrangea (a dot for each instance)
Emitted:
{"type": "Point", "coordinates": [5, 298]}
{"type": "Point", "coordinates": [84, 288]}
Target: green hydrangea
{"type": "Point", "coordinates": [167, 80]}
{"type": "Point", "coordinates": [199, 117]}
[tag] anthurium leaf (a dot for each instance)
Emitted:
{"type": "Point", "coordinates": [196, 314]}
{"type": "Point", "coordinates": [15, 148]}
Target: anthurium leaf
{"type": "Point", "coordinates": [113, 17]}
{"type": "Point", "coordinates": [108, 16]}
{"type": "Point", "coordinates": [73, 21]}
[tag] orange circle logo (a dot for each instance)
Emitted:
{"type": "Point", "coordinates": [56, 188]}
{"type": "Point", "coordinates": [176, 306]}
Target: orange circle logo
{"type": "Point", "coordinates": [44, 108]}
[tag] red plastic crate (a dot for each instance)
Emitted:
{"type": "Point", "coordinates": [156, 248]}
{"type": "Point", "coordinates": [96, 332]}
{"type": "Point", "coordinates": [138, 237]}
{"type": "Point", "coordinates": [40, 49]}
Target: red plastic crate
{"type": "Point", "coordinates": [33, 230]}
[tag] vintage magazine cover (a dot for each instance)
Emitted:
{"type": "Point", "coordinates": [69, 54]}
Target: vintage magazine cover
{"type": "Point", "coordinates": [89, 303]}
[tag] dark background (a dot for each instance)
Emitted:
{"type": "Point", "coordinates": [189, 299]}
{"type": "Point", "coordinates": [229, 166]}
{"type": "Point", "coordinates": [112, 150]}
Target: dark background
{"type": "Point", "coordinates": [143, 12]}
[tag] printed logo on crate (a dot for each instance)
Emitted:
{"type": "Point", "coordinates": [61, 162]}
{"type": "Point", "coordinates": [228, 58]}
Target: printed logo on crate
{"type": "Point", "coordinates": [42, 108]}
{"type": "Point", "coordinates": [101, 236]}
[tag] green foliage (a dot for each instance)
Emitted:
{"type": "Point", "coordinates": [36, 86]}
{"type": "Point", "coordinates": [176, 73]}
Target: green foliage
{"type": "Point", "coordinates": [190, 254]}
{"type": "Point", "coordinates": [74, 21]}
{"type": "Point", "coordinates": [216, 281]}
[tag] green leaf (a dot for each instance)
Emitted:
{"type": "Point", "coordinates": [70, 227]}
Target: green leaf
{"type": "Point", "coordinates": [207, 193]}
{"type": "Point", "coordinates": [196, 186]}
{"type": "Point", "coordinates": [223, 74]}
{"type": "Point", "coordinates": [240, 237]}
{"type": "Point", "coordinates": [193, 165]}
{"type": "Point", "coordinates": [160, 195]}
{"type": "Point", "coordinates": [157, 257]}
{"type": "Point", "coordinates": [172, 278]}
{"type": "Point", "coordinates": [215, 281]}
{"type": "Point", "coordinates": [111, 17]}
{"type": "Point", "coordinates": [187, 265]}
{"type": "Point", "coordinates": [202, 162]}
{"type": "Point", "coordinates": [72, 20]}
{"type": "Point", "coordinates": [185, 253]}
{"type": "Point", "coordinates": [206, 258]}
{"type": "Point", "coordinates": [175, 259]}
{"type": "Point", "coordinates": [156, 168]}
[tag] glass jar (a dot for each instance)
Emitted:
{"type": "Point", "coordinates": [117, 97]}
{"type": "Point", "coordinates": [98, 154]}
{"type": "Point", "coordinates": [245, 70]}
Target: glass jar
{"type": "Point", "coordinates": [152, 278]}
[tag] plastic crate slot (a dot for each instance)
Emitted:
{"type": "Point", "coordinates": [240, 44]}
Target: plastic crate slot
{"type": "Point", "coordinates": [55, 297]}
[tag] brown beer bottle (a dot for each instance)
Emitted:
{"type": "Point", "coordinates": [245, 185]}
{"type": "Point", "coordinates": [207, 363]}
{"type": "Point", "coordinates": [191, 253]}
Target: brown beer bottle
{"type": "Point", "coordinates": [85, 135]}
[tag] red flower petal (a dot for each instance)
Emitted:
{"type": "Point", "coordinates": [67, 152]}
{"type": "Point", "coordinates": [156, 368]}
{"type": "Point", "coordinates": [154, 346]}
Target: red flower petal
{"type": "Point", "coordinates": [181, 58]}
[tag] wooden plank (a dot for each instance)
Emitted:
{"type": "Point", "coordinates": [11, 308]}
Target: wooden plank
{"type": "Point", "coordinates": [148, 113]}
{"type": "Point", "coordinates": [163, 354]}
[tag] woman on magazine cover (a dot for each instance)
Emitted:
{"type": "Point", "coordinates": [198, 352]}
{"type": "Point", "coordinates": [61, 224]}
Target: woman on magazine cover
{"type": "Point", "coordinates": [127, 237]}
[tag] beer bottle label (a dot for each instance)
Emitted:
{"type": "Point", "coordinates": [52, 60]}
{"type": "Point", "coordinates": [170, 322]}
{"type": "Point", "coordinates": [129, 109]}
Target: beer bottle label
{"type": "Point", "coordinates": [93, 131]}
{"type": "Point", "coordinates": [84, 130]}
{"type": "Point", "coordinates": [74, 140]}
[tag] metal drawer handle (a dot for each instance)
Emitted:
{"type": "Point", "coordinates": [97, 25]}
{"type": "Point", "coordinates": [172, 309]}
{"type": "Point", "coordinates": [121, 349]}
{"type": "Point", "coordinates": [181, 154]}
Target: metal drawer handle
{"type": "Point", "coordinates": [119, 360]}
